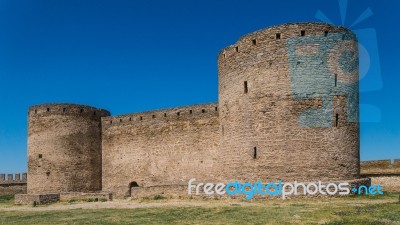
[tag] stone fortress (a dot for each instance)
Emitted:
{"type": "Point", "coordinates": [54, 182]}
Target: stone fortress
{"type": "Point", "coordinates": [287, 110]}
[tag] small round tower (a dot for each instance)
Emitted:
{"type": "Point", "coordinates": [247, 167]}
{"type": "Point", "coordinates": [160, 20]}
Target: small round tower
{"type": "Point", "coordinates": [288, 98]}
{"type": "Point", "coordinates": [64, 148]}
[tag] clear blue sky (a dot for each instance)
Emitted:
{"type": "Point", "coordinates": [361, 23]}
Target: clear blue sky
{"type": "Point", "coordinates": [131, 56]}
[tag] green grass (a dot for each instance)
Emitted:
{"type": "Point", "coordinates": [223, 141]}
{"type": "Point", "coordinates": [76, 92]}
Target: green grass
{"type": "Point", "coordinates": [6, 200]}
{"type": "Point", "coordinates": [351, 210]}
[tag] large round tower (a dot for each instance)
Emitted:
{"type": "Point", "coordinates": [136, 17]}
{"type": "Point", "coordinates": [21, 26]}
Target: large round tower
{"type": "Point", "coordinates": [64, 148]}
{"type": "Point", "coordinates": [288, 100]}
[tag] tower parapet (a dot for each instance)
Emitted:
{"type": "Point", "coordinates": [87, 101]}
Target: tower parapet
{"type": "Point", "coordinates": [64, 148]}
{"type": "Point", "coordinates": [288, 99]}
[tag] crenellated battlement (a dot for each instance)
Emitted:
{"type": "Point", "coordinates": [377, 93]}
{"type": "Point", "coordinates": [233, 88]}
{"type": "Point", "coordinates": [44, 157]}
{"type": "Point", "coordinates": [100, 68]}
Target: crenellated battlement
{"type": "Point", "coordinates": [274, 37]}
{"type": "Point", "coordinates": [164, 115]}
{"type": "Point", "coordinates": [67, 109]}
{"type": "Point", "coordinates": [16, 178]}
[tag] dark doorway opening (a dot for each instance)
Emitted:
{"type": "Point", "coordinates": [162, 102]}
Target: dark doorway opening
{"type": "Point", "coordinates": [133, 184]}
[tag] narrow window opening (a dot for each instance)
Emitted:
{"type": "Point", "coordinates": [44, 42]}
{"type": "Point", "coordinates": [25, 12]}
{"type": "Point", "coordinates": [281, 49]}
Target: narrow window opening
{"type": "Point", "coordinates": [35, 111]}
{"type": "Point", "coordinates": [130, 118]}
{"type": "Point", "coordinates": [81, 110]}
{"type": "Point", "coordinates": [255, 153]}
{"type": "Point", "coordinates": [246, 89]}
{"type": "Point", "coordinates": [216, 108]}
{"type": "Point", "coordinates": [278, 36]}
{"type": "Point", "coordinates": [303, 33]}
{"type": "Point", "coordinates": [141, 118]}
{"type": "Point", "coordinates": [237, 49]}
{"type": "Point", "coordinates": [190, 111]}
{"type": "Point", "coordinates": [40, 156]}
{"type": "Point", "coordinates": [178, 113]}
{"type": "Point", "coordinates": [335, 80]}
{"type": "Point", "coordinates": [154, 116]}
{"type": "Point", "coordinates": [254, 42]}
{"type": "Point", "coordinates": [48, 173]}
{"type": "Point", "coordinates": [110, 121]}
{"type": "Point", "coordinates": [224, 55]}
{"type": "Point", "coordinates": [94, 113]}
{"type": "Point", "coordinates": [48, 109]}
{"type": "Point", "coordinates": [165, 114]}
{"type": "Point", "coordinates": [120, 120]}
{"type": "Point", "coordinates": [326, 33]}
{"type": "Point", "coordinates": [203, 111]}
{"type": "Point", "coordinates": [337, 120]}
{"type": "Point", "coordinates": [64, 109]}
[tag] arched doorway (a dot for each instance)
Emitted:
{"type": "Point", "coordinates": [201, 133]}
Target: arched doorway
{"type": "Point", "coordinates": [132, 184]}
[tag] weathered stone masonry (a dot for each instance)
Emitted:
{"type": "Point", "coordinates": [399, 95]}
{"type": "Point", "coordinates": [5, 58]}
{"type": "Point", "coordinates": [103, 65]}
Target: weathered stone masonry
{"type": "Point", "coordinates": [288, 109]}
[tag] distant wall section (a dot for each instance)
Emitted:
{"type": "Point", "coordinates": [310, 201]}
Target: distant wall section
{"type": "Point", "coordinates": [11, 184]}
{"type": "Point", "coordinates": [384, 172]}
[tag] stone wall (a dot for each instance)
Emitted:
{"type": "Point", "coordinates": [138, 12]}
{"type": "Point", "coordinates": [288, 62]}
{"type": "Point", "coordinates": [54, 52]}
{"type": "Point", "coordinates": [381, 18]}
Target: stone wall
{"type": "Point", "coordinates": [383, 172]}
{"type": "Point", "coordinates": [287, 110]}
{"type": "Point", "coordinates": [288, 98]}
{"type": "Point", "coordinates": [30, 199]}
{"type": "Point", "coordinates": [67, 196]}
{"type": "Point", "coordinates": [14, 184]}
{"type": "Point", "coordinates": [181, 191]}
{"type": "Point", "coordinates": [64, 148]}
{"type": "Point", "coordinates": [165, 147]}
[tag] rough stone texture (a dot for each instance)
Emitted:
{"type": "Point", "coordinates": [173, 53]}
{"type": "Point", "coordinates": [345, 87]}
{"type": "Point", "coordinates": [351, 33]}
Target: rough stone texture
{"type": "Point", "coordinates": [166, 147]}
{"type": "Point", "coordinates": [380, 167]}
{"type": "Point", "coordinates": [389, 183]}
{"type": "Point", "coordinates": [181, 191]}
{"type": "Point", "coordinates": [64, 148]}
{"type": "Point", "coordinates": [29, 199]}
{"type": "Point", "coordinates": [288, 109]}
{"type": "Point", "coordinates": [15, 184]}
{"type": "Point", "coordinates": [383, 172]}
{"type": "Point", "coordinates": [285, 127]}
{"type": "Point", "coordinates": [66, 196]}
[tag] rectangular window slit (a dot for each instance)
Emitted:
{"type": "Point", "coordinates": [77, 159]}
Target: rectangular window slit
{"type": "Point", "coordinates": [154, 116]}
{"type": "Point", "coordinates": [40, 156]}
{"type": "Point", "coordinates": [246, 89]}
{"type": "Point", "coordinates": [254, 42]}
{"type": "Point", "coordinates": [48, 109]}
{"type": "Point", "coordinates": [216, 108]}
{"type": "Point", "coordinates": [178, 113]}
{"type": "Point", "coordinates": [326, 33]}
{"type": "Point", "coordinates": [64, 109]}
{"type": "Point", "coordinates": [255, 153]}
{"type": "Point", "coordinates": [237, 49]}
{"type": "Point", "coordinates": [303, 33]}
{"type": "Point", "coordinates": [337, 120]}
{"type": "Point", "coordinates": [335, 80]}
{"type": "Point", "coordinates": [165, 114]}
{"type": "Point", "coordinates": [81, 110]}
{"type": "Point", "coordinates": [190, 111]}
{"type": "Point", "coordinates": [278, 36]}
{"type": "Point", "coordinates": [203, 111]}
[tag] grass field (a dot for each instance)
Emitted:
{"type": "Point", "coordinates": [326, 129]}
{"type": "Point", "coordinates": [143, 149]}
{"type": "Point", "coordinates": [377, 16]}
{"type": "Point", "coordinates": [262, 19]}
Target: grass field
{"type": "Point", "coordinates": [349, 210]}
